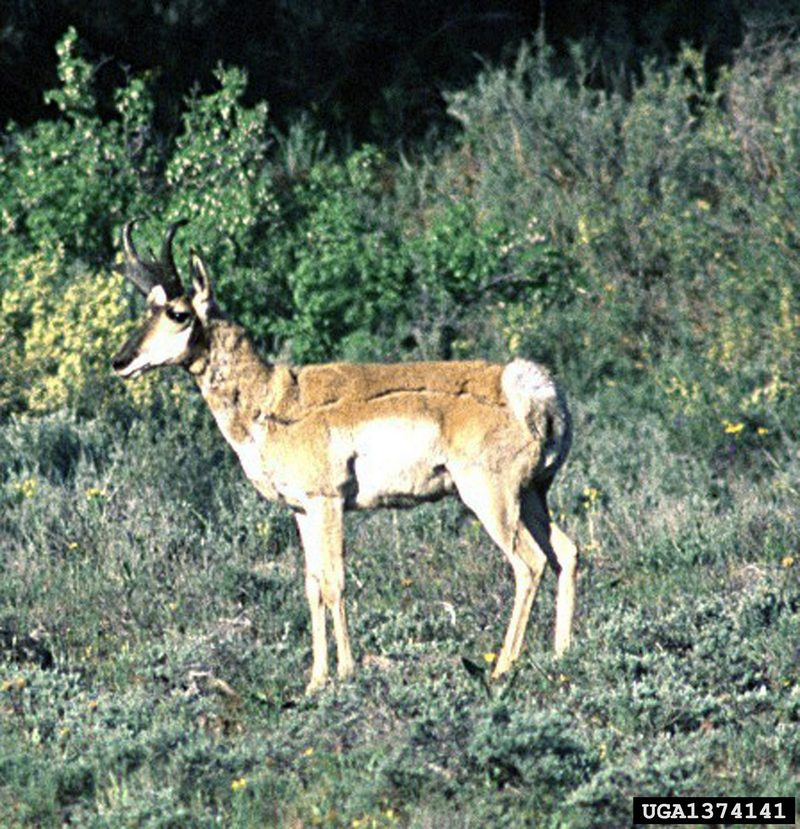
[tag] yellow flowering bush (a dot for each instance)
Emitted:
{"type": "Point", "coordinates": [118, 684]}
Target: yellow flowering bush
{"type": "Point", "coordinates": [57, 334]}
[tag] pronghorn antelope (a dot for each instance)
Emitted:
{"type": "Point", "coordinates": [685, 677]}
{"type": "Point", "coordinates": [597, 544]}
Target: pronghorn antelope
{"type": "Point", "coordinates": [325, 439]}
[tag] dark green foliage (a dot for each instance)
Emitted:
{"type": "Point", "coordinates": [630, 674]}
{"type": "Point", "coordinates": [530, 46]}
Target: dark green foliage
{"type": "Point", "coordinates": [70, 181]}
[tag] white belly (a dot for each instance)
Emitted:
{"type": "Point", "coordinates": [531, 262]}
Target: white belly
{"type": "Point", "coordinates": [397, 462]}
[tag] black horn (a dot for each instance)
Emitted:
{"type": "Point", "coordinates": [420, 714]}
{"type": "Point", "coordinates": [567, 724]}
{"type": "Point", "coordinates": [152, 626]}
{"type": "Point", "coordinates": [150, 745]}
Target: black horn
{"type": "Point", "coordinates": [146, 274]}
{"type": "Point", "coordinates": [134, 268]}
{"type": "Point", "coordinates": [172, 281]}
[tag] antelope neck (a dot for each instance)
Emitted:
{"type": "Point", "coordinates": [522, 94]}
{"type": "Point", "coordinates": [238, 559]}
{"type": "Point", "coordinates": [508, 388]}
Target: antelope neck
{"type": "Point", "coordinates": [233, 379]}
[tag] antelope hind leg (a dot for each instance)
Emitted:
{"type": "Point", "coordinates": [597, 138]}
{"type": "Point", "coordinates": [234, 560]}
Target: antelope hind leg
{"type": "Point", "coordinates": [566, 554]}
{"type": "Point", "coordinates": [499, 512]}
{"type": "Point", "coordinates": [562, 553]}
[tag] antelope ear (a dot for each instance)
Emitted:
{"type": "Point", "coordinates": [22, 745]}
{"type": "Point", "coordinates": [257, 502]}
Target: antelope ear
{"type": "Point", "coordinates": [203, 299]}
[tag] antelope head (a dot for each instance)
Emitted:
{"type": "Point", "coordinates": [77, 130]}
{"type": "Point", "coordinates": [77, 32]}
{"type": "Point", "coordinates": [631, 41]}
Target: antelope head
{"type": "Point", "coordinates": [173, 332]}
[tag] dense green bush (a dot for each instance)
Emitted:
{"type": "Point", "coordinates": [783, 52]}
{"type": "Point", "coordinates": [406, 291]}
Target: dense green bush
{"type": "Point", "coordinates": [682, 240]}
{"type": "Point", "coordinates": [72, 180]}
{"type": "Point", "coordinates": [646, 239]}
{"type": "Point", "coordinates": [56, 326]}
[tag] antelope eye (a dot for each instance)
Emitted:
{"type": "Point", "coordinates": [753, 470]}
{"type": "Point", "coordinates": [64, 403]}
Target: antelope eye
{"type": "Point", "coordinates": [177, 316]}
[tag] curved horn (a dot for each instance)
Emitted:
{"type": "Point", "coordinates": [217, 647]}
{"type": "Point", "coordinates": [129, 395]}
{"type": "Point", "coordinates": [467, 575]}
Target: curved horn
{"type": "Point", "coordinates": [171, 280]}
{"type": "Point", "coordinates": [135, 269]}
{"type": "Point", "coordinates": [146, 274]}
{"type": "Point", "coordinates": [127, 240]}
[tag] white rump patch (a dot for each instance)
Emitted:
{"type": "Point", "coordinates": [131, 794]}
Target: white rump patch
{"type": "Point", "coordinates": [527, 385]}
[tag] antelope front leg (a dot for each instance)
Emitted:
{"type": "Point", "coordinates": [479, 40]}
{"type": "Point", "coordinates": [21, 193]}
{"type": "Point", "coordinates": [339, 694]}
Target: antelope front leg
{"type": "Point", "coordinates": [309, 524]}
{"type": "Point", "coordinates": [322, 533]}
{"type": "Point", "coordinates": [333, 581]}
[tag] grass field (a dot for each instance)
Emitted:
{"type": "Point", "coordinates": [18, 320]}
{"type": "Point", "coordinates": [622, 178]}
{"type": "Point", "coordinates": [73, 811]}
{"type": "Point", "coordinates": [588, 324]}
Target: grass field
{"type": "Point", "coordinates": [155, 639]}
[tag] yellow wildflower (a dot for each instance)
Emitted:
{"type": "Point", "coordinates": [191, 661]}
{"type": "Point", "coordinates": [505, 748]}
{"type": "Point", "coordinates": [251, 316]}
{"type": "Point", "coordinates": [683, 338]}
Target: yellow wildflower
{"type": "Point", "coordinates": [490, 657]}
{"type": "Point", "coordinates": [27, 488]}
{"type": "Point", "coordinates": [591, 495]}
{"type": "Point", "coordinates": [732, 428]}
{"type": "Point", "coordinates": [239, 784]}
{"type": "Point", "coordinates": [787, 561]}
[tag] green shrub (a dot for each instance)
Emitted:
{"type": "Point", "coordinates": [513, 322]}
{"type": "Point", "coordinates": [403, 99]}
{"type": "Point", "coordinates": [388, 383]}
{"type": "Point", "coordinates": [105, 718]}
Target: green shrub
{"type": "Point", "coordinates": [346, 274]}
{"type": "Point", "coordinates": [71, 181]}
{"type": "Point", "coordinates": [536, 750]}
{"type": "Point", "coordinates": [672, 203]}
{"type": "Point", "coordinates": [217, 177]}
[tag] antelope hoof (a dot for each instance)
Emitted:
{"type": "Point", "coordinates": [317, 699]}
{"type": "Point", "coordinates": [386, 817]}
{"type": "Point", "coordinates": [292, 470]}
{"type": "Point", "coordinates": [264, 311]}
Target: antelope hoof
{"type": "Point", "coordinates": [316, 685]}
{"type": "Point", "coordinates": [500, 670]}
{"type": "Point", "coordinates": [346, 670]}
